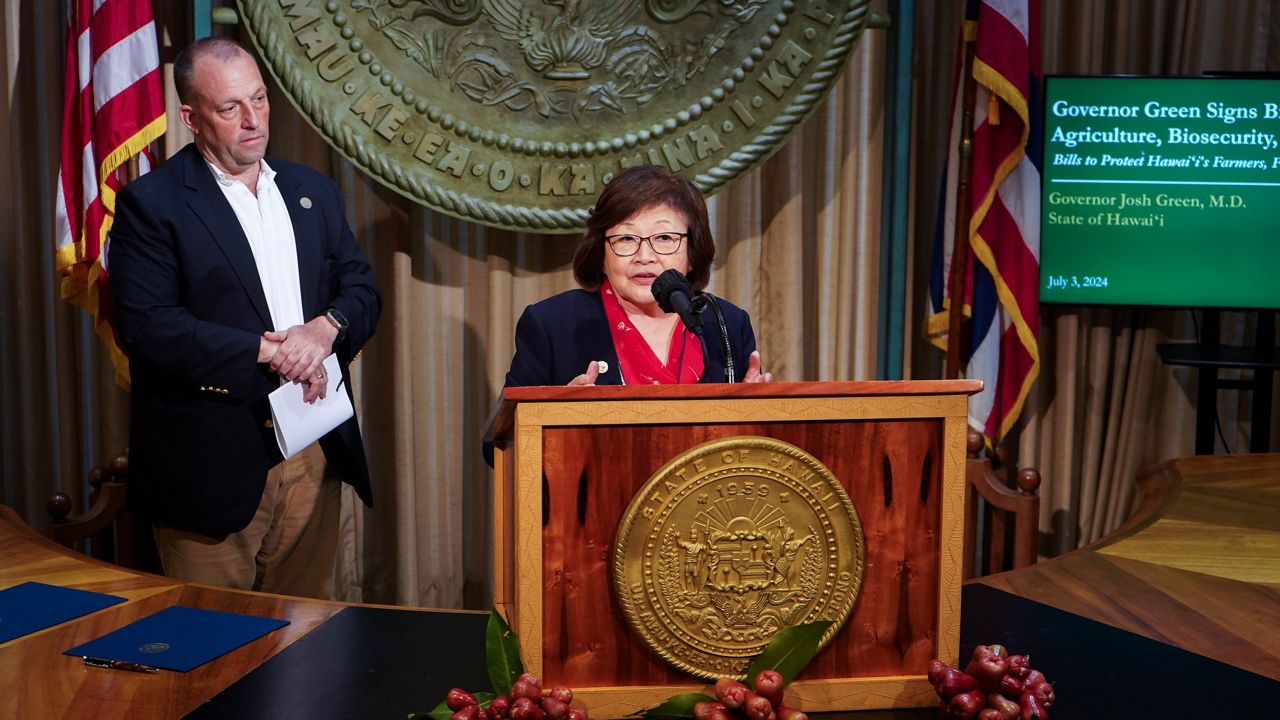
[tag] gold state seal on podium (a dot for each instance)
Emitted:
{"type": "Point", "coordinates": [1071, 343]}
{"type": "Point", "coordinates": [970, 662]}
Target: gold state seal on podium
{"type": "Point", "coordinates": [730, 542]}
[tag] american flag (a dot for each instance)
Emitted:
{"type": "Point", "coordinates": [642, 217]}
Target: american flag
{"type": "Point", "coordinates": [113, 108]}
{"type": "Point", "coordinates": [1001, 277]}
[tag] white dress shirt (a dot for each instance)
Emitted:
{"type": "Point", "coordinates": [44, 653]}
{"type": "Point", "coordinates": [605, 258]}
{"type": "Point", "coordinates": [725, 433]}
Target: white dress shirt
{"type": "Point", "coordinates": [265, 221]}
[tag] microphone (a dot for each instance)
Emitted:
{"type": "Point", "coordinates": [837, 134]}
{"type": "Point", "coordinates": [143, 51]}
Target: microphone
{"type": "Point", "coordinates": [674, 294]}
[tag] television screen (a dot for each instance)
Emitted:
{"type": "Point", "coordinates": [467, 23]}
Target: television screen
{"type": "Point", "coordinates": [1161, 191]}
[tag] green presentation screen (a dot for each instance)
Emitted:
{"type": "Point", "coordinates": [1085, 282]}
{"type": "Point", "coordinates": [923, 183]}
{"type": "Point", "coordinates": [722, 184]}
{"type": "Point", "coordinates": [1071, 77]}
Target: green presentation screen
{"type": "Point", "coordinates": [1161, 191]}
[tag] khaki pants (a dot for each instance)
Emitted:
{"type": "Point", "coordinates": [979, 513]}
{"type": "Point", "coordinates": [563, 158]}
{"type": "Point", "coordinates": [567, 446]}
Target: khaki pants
{"type": "Point", "coordinates": [289, 547]}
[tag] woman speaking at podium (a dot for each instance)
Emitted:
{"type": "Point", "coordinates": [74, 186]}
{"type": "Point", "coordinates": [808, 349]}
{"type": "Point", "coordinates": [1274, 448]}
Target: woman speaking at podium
{"type": "Point", "coordinates": [641, 316]}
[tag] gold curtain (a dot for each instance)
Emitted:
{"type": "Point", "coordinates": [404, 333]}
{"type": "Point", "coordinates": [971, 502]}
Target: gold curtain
{"type": "Point", "coordinates": [798, 247]}
{"type": "Point", "coordinates": [788, 235]}
{"type": "Point", "coordinates": [60, 403]}
{"type": "Point", "coordinates": [1104, 406]}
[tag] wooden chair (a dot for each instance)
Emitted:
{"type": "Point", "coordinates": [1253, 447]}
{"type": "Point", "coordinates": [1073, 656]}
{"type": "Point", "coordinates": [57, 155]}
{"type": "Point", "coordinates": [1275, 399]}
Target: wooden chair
{"type": "Point", "coordinates": [1009, 531]}
{"type": "Point", "coordinates": [107, 531]}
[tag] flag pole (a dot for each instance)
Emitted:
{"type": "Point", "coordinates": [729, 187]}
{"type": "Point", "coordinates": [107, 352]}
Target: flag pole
{"type": "Point", "coordinates": [960, 247]}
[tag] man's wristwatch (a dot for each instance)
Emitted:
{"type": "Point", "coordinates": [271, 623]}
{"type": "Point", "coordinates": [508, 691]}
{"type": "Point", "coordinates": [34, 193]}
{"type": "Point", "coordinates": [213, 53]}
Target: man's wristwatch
{"type": "Point", "coordinates": [339, 321]}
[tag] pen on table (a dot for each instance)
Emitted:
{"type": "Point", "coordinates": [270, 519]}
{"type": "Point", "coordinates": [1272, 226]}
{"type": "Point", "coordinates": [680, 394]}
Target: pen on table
{"type": "Point", "coordinates": [119, 665]}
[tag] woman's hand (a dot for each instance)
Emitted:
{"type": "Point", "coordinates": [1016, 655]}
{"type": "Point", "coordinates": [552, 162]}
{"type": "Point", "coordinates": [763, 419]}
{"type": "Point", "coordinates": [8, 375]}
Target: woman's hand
{"type": "Point", "coordinates": [589, 377]}
{"type": "Point", "coordinates": [753, 370]}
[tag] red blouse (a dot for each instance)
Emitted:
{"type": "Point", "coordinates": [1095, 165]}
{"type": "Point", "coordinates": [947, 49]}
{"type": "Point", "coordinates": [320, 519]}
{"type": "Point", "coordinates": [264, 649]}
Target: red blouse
{"type": "Point", "coordinates": [638, 364]}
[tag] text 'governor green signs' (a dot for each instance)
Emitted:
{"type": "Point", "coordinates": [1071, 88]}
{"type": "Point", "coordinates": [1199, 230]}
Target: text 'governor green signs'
{"type": "Point", "coordinates": [1160, 191]}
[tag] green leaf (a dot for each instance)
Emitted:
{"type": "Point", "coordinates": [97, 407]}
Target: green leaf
{"type": "Point", "coordinates": [484, 698]}
{"type": "Point", "coordinates": [502, 654]}
{"type": "Point", "coordinates": [790, 651]}
{"type": "Point", "coordinates": [676, 706]}
{"type": "Point", "coordinates": [439, 712]}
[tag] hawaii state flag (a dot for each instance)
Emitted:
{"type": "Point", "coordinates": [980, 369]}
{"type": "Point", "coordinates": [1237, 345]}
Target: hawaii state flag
{"type": "Point", "coordinates": [999, 285]}
{"type": "Point", "coordinates": [113, 108]}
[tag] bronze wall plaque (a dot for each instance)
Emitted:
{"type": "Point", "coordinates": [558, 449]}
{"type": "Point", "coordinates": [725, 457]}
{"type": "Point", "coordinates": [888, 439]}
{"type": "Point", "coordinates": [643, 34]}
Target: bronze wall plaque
{"type": "Point", "coordinates": [731, 542]}
{"type": "Point", "coordinates": [515, 113]}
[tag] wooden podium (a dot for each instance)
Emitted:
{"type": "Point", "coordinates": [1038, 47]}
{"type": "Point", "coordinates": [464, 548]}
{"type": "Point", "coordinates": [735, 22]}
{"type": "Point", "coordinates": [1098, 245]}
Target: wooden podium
{"type": "Point", "coordinates": [567, 462]}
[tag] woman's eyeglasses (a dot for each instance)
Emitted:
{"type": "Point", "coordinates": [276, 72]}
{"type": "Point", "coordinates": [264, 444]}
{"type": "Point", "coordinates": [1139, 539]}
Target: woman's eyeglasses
{"type": "Point", "coordinates": [666, 243]}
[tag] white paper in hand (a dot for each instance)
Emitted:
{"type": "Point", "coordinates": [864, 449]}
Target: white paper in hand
{"type": "Point", "coordinates": [298, 424]}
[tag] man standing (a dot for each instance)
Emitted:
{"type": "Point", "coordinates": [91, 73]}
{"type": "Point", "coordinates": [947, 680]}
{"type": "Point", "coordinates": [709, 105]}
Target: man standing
{"type": "Point", "coordinates": [230, 275]}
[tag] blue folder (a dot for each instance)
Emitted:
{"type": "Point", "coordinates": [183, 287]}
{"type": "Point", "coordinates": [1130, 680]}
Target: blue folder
{"type": "Point", "coordinates": [178, 638]}
{"type": "Point", "coordinates": [34, 606]}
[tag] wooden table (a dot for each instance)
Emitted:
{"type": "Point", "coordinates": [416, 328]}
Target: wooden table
{"type": "Point", "coordinates": [1186, 594]}
{"type": "Point", "coordinates": [38, 681]}
{"type": "Point", "coordinates": [1197, 566]}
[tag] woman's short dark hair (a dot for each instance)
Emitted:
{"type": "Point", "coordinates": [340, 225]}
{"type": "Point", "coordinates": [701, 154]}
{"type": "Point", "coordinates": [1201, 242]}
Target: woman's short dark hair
{"type": "Point", "coordinates": [631, 191]}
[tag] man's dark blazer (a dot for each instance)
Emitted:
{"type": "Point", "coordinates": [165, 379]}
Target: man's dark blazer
{"type": "Point", "coordinates": [190, 311]}
{"type": "Point", "coordinates": [557, 337]}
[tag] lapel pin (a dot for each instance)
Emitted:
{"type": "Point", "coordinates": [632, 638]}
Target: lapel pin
{"type": "Point", "coordinates": [305, 202]}
{"type": "Point", "coordinates": [603, 366]}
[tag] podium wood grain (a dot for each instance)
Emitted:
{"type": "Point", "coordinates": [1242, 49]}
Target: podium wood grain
{"type": "Point", "coordinates": [1192, 569]}
{"type": "Point", "coordinates": [569, 460]}
{"type": "Point", "coordinates": [893, 626]}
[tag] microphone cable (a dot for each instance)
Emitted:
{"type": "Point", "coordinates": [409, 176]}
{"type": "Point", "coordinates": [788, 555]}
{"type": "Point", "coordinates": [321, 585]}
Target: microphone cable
{"type": "Point", "coordinates": [729, 371]}
{"type": "Point", "coordinates": [684, 341]}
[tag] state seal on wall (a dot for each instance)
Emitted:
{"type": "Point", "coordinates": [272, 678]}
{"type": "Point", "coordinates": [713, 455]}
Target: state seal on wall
{"type": "Point", "coordinates": [515, 113]}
